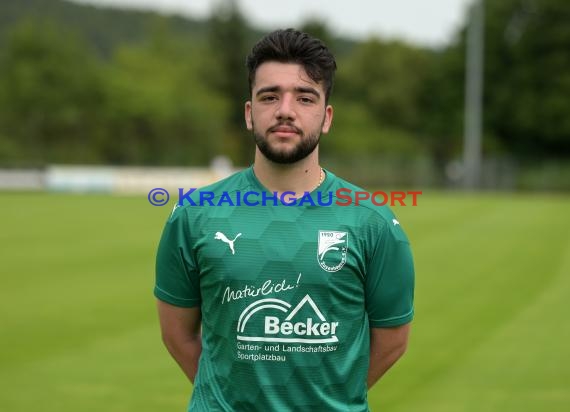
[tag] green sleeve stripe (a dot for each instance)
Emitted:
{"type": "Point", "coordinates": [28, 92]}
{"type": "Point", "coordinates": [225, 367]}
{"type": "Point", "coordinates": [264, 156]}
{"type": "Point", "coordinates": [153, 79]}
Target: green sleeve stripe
{"type": "Point", "coordinates": [393, 320]}
{"type": "Point", "coordinates": [175, 300]}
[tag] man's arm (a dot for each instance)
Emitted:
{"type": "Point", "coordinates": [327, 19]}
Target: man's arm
{"type": "Point", "coordinates": [181, 334]}
{"type": "Point", "coordinates": [387, 345]}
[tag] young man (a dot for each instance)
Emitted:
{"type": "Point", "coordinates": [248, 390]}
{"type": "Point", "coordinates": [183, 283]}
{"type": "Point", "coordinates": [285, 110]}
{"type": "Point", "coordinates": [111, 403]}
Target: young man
{"type": "Point", "coordinates": [269, 306]}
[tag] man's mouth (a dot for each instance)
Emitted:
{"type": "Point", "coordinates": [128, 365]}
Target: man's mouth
{"type": "Point", "coordinates": [285, 130]}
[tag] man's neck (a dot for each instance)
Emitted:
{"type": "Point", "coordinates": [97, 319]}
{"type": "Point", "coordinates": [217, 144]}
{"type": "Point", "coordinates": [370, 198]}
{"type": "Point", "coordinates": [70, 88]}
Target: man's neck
{"type": "Point", "coordinates": [303, 176]}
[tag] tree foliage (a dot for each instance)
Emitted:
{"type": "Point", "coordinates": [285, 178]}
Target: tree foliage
{"type": "Point", "coordinates": [227, 74]}
{"type": "Point", "coordinates": [155, 90]}
{"type": "Point", "coordinates": [527, 77]}
{"type": "Point", "coordinates": [158, 109]}
{"type": "Point", "coordinates": [50, 92]}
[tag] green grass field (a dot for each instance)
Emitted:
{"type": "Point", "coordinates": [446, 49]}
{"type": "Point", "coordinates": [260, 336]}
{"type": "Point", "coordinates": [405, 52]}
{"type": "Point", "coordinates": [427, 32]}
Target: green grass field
{"type": "Point", "coordinates": [78, 330]}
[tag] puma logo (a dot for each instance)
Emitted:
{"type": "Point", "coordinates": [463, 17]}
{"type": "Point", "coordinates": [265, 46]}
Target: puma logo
{"type": "Point", "coordinates": [223, 238]}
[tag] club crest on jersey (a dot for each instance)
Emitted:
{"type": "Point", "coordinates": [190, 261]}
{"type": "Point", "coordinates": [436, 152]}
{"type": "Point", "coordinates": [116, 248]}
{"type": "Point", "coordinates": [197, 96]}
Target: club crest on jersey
{"type": "Point", "coordinates": [332, 250]}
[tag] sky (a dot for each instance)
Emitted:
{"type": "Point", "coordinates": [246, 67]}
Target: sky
{"type": "Point", "coordinates": [424, 22]}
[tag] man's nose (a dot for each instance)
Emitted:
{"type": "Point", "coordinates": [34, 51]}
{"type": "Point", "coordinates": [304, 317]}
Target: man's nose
{"type": "Point", "coordinates": [286, 109]}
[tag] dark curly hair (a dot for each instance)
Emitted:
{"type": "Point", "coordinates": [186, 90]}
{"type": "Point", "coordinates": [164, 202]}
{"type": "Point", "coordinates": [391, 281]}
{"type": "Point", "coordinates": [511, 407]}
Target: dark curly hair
{"type": "Point", "coordinates": [293, 46]}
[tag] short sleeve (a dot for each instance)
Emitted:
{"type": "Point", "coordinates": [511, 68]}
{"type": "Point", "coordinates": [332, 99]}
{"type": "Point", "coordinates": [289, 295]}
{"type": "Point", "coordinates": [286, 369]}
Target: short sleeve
{"type": "Point", "coordinates": [389, 285]}
{"type": "Point", "coordinates": [177, 278]}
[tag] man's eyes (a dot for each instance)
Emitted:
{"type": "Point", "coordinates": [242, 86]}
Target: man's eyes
{"type": "Point", "coordinates": [306, 100]}
{"type": "Point", "coordinates": [301, 99]}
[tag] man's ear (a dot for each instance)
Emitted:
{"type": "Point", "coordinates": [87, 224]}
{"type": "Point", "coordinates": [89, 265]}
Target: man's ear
{"type": "Point", "coordinates": [248, 116]}
{"type": "Point", "coordinates": [327, 122]}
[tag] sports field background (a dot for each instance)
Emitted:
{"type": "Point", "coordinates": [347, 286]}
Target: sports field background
{"type": "Point", "coordinates": [78, 329]}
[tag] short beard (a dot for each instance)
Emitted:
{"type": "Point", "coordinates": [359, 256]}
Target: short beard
{"type": "Point", "coordinates": [306, 146]}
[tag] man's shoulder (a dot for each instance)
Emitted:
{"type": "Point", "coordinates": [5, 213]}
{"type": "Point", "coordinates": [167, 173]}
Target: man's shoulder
{"type": "Point", "coordinates": [344, 189]}
{"type": "Point", "coordinates": [367, 211]}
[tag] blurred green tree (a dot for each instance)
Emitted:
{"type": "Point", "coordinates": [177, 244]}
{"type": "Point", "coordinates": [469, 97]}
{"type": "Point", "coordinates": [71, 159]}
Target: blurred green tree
{"type": "Point", "coordinates": [386, 77]}
{"type": "Point", "coordinates": [226, 73]}
{"type": "Point", "coordinates": [527, 78]}
{"type": "Point", "coordinates": [377, 100]}
{"type": "Point", "coordinates": [441, 105]}
{"type": "Point", "coordinates": [526, 84]}
{"type": "Point", "coordinates": [50, 95]}
{"type": "Point", "coordinates": [159, 110]}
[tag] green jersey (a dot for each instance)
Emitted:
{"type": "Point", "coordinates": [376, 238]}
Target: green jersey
{"type": "Point", "coordinates": [288, 293]}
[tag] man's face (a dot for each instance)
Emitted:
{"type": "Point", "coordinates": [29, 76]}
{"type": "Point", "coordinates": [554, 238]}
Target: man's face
{"type": "Point", "coordinates": [287, 112]}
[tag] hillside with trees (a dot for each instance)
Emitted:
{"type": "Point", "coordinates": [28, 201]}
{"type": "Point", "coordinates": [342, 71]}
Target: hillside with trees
{"type": "Point", "coordinates": [87, 85]}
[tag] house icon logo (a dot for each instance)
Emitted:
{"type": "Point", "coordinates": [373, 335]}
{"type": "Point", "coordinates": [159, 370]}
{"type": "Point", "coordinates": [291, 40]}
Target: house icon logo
{"type": "Point", "coordinates": [292, 327]}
